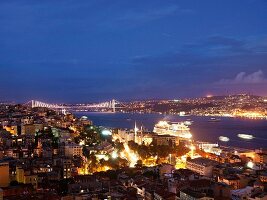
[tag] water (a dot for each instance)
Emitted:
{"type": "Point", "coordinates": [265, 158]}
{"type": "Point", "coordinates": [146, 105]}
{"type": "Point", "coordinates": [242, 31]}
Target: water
{"type": "Point", "coordinates": [201, 129]}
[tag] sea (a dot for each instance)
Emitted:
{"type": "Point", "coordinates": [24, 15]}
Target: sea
{"type": "Point", "coordinates": [202, 129]}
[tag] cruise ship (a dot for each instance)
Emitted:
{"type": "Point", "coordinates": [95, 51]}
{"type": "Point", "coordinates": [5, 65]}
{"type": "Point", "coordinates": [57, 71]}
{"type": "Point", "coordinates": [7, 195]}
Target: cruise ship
{"type": "Point", "coordinates": [178, 129]}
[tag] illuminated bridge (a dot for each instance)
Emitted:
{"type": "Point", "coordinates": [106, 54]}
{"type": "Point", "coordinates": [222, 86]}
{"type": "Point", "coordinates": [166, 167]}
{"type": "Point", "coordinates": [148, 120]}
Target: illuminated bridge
{"type": "Point", "coordinates": [113, 105]}
{"type": "Point", "coordinates": [39, 104]}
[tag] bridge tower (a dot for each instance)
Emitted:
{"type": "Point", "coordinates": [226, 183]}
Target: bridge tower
{"type": "Point", "coordinates": [135, 132]}
{"type": "Point", "coordinates": [113, 105]}
{"type": "Point", "coordinates": [32, 103]}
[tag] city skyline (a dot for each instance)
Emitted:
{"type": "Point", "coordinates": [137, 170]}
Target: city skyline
{"type": "Point", "coordinates": [133, 100]}
{"type": "Point", "coordinates": [106, 100]}
{"type": "Point", "coordinates": [68, 51]}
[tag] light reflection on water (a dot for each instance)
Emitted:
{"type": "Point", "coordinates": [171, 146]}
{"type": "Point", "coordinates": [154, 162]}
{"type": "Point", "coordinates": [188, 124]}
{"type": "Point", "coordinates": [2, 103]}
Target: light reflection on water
{"type": "Point", "coordinates": [201, 128]}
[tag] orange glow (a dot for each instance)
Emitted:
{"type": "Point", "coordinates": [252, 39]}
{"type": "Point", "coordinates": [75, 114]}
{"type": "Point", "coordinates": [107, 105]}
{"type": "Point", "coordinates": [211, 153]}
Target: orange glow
{"type": "Point", "coordinates": [250, 114]}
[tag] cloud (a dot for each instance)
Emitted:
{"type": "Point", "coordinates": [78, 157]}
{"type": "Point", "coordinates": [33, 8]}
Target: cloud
{"type": "Point", "coordinates": [244, 78]}
{"type": "Point", "coordinates": [212, 53]}
{"type": "Point", "coordinates": [196, 69]}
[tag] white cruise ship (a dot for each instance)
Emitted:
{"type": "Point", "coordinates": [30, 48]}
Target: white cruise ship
{"type": "Point", "coordinates": [178, 129]}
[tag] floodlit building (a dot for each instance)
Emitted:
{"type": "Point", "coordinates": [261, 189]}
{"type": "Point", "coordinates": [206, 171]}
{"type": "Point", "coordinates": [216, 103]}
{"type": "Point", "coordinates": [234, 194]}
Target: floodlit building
{"type": "Point", "coordinates": [126, 135]}
{"type": "Point", "coordinates": [260, 158]}
{"type": "Point", "coordinates": [4, 174]}
{"type": "Point", "coordinates": [233, 181]}
{"type": "Point", "coordinates": [202, 166]}
{"type": "Point", "coordinates": [168, 140]}
{"type": "Point", "coordinates": [13, 129]}
{"type": "Point", "coordinates": [188, 194]}
{"type": "Point", "coordinates": [67, 165]}
{"type": "Point", "coordinates": [26, 177]}
{"type": "Point", "coordinates": [72, 149]}
{"type": "Point", "coordinates": [31, 128]}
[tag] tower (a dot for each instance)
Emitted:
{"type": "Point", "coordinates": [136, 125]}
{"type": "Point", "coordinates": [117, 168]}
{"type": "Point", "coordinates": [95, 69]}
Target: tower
{"type": "Point", "coordinates": [135, 132]}
{"type": "Point", "coordinates": [113, 105]}
{"type": "Point", "coordinates": [63, 111]}
{"type": "Point", "coordinates": [33, 103]}
{"type": "Point", "coordinates": [141, 139]}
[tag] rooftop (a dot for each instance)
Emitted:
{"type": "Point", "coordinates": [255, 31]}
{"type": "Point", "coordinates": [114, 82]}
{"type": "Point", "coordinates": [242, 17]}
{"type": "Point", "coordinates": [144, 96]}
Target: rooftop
{"type": "Point", "coordinates": [203, 161]}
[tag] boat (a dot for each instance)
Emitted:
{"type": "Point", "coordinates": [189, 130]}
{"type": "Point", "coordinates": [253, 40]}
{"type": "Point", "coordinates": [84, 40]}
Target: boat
{"type": "Point", "coordinates": [188, 123]}
{"type": "Point", "coordinates": [245, 136]}
{"type": "Point", "coordinates": [214, 120]}
{"type": "Point", "coordinates": [178, 129]}
{"type": "Point", "coordinates": [224, 139]}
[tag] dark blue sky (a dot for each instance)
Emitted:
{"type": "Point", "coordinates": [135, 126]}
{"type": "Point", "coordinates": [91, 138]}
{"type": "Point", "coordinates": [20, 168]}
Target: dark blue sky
{"type": "Point", "coordinates": [94, 50]}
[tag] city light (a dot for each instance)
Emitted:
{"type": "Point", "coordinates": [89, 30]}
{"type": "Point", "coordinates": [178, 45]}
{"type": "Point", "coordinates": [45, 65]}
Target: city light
{"type": "Point", "coordinates": [250, 164]}
{"type": "Point", "coordinates": [114, 155]}
{"type": "Point", "coordinates": [250, 114]}
{"type": "Point", "coordinates": [106, 132]}
{"type": "Point", "coordinates": [130, 155]}
{"type": "Point", "coordinates": [192, 151]}
{"type": "Point", "coordinates": [133, 100]}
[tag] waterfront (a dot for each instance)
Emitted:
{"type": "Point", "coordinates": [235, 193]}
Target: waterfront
{"type": "Point", "coordinates": [201, 128]}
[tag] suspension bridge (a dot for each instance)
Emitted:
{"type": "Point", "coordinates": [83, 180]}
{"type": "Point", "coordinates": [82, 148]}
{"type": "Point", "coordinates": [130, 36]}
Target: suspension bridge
{"type": "Point", "coordinates": [113, 105]}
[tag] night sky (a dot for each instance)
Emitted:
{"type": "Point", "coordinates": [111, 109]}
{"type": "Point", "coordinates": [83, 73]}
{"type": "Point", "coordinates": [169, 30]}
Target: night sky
{"type": "Point", "coordinates": [95, 50]}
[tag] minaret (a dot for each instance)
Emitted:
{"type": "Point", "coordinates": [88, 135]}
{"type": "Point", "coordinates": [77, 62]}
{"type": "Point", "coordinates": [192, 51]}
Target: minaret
{"type": "Point", "coordinates": [135, 131]}
{"type": "Point", "coordinates": [141, 139]}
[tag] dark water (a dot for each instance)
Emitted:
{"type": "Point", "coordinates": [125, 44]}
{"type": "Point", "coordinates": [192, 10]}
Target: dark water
{"type": "Point", "coordinates": [201, 129]}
